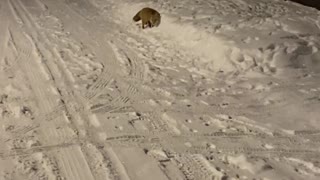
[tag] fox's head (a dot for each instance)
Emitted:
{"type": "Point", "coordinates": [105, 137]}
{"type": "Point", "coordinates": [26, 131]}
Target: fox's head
{"type": "Point", "coordinates": [155, 20]}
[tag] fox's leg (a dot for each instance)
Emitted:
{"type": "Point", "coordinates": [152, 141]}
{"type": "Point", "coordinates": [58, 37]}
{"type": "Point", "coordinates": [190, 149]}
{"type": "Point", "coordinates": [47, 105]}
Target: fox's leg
{"type": "Point", "coordinates": [149, 24]}
{"type": "Point", "coordinates": [143, 23]}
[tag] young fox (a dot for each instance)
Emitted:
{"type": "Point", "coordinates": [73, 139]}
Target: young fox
{"type": "Point", "coordinates": [148, 16]}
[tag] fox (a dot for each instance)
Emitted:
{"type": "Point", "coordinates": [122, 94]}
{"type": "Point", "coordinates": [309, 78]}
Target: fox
{"type": "Point", "coordinates": [149, 17]}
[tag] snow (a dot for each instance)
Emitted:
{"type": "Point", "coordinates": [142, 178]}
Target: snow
{"type": "Point", "coordinates": [222, 89]}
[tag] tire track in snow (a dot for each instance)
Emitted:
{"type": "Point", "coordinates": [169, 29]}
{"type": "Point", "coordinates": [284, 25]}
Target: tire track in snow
{"type": "Point", "coordinates": [7, 63]}
{"type": "Point", "coordinates": [4, 39]}
{"type": "Point", "coordinates": [39, 85]}
{"type": "Point", "coordinates": [105, 79]}
{"type": "Point", "coordinates": [102, 82]}
{"type": "Point", "coordinates": [15, 13]}
{"type": "Point", "coordinates": [126, 57]}
{"type": "Point", "coordinates": [11, 64]}
{"type": "Point", "coordinates": [26, 59]}
{"type": "Point", "coordinates": [33, 150]}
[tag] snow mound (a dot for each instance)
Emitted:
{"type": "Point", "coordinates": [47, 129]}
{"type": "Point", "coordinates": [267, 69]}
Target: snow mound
{"type": "Point", "coordinates": [176, 35]}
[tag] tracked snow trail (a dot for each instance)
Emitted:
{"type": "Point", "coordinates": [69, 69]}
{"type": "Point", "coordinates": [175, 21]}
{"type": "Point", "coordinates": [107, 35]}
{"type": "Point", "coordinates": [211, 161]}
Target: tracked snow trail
{"type": "Point", "coordinates": [85, 94]}
{"type": "Point", "coordinates": [49, 83]}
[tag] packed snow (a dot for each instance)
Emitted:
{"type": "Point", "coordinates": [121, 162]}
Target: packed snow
{"type": "Point", "coordinates": [222, 89]}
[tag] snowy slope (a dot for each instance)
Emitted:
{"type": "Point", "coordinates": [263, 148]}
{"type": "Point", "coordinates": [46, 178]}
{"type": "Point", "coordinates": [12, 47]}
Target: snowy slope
{"type": "Point", "coordinates": [222, 89]}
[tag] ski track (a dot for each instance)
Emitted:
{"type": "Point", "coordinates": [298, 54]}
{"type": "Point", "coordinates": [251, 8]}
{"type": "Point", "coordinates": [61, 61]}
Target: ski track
{"type": "Point", "coordinates": [109, 105]}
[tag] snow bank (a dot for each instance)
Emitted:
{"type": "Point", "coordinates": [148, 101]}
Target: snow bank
{"type": "Point", "coordinates": [213, 50]}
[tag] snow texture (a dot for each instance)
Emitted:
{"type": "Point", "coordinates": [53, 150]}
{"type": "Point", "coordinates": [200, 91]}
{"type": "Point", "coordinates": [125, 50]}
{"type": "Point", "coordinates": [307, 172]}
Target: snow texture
{"type": "Point", "coordinates": [222, 89]}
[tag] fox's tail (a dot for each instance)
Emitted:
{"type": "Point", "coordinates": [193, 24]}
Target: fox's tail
{"type": "Point", "coordinates": [137, 17]}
